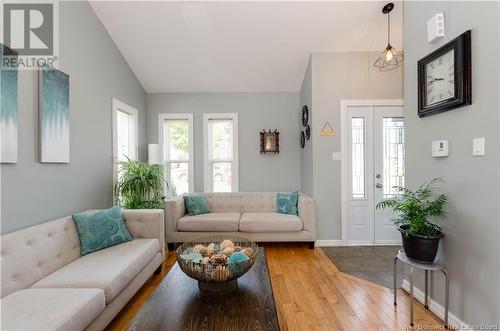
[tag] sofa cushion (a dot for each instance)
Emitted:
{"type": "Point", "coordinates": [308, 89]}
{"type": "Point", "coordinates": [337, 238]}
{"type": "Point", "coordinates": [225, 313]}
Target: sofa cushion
{"type": "Point", "coordinates": [212, 222]}
{"type": "Point", "coordinates": [99, 229]}
{"type": "Point", "coordinates": [270, 222]}
{"type": "Point", "coordinates": [110, 269]}
{"type": "Point", "coordinates": [287, 203]}
{"type": "Point", "coordinates": [51, 309]}
{"type": "Point", "coordinates": [196, 204]}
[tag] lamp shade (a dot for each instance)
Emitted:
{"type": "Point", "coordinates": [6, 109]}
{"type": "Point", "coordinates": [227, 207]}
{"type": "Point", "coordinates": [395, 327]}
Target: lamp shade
{"type": "Point", "coordinates": [154, 154]}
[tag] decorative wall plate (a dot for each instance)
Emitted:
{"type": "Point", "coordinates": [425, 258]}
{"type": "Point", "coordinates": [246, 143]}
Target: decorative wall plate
{"type": "Point", "coordinates": [308, 132]}
{"type": "Point", "coordinates": [305, 115]}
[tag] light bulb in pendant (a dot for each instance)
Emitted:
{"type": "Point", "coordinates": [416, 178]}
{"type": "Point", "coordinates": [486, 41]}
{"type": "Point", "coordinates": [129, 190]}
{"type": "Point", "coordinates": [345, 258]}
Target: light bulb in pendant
{"type": "Point", "coordinates": [389, 56]}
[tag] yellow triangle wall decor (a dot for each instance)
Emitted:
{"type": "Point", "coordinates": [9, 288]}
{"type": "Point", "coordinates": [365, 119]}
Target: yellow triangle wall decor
{"type": "Point", "coordinates": [327, 130]}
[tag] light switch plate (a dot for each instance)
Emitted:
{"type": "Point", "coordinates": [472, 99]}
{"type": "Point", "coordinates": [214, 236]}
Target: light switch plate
{"type": "Point", "coordinates": [478, 146]}
{"type": "Point", "coordinates": [440, 148]}
{"type": "Point", "coordinates": [336, 156]}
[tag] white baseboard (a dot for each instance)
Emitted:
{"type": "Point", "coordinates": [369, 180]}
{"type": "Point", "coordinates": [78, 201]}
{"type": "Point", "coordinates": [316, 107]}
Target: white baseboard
{"type": "Point", "coordinates": [328, 243]}
{"type": "Point", "coordinates": [397, 242]}
{"type": "Point", "coordinates": [359, 243]}
{"type": "Point", "coordinates": [436, 308]}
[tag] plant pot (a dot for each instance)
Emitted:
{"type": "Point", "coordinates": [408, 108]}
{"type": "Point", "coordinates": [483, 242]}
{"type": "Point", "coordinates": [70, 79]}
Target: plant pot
{"type": "Point", "coordinates": [420, 248]}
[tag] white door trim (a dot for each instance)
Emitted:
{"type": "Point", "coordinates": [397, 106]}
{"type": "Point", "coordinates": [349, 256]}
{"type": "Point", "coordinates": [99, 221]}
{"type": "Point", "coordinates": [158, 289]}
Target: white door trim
{"type": "Point", "coordinates": [344, 199]}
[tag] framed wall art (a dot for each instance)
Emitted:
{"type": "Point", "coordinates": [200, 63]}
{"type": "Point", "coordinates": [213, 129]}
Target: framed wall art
{"type": "Point", "coordinates": [8, 113]}
{"type": "Point", "coordinates": [269, 141]}
{"type": "Point", "coordinates": [54, 116]}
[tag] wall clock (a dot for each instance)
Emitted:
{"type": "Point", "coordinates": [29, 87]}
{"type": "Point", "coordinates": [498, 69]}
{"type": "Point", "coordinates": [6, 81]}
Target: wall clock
{"type": "Point", "coordinates": [444, 77]}
{"type": "Point", "coordinates": [305, 115]}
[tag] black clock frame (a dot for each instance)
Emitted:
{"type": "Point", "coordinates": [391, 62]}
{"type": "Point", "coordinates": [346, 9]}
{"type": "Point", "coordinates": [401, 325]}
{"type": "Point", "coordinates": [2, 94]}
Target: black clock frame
{"type": "Point", "coordinates": [462, 77]}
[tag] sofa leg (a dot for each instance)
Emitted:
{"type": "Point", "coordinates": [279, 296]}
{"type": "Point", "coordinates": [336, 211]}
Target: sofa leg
{"type": "Point", "coordinates": [311, 244]}
{"type": "Point", "coordinates": [171, 247]}
{"type": "Point", "coordinates": [158, 270]}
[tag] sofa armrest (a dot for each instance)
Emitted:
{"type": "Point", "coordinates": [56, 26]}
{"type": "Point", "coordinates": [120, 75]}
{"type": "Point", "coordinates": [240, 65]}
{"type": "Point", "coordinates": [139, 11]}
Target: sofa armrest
{"type": "Point", "coordinates": [307, 213]}
{"type": "Point", "coordinates": [174, 211]}
{"type": "Point", "coordinates": [146, 224]}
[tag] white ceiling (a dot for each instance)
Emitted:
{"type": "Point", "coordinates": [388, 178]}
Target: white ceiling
{"type": "Point", "coordinates": [239, 46]}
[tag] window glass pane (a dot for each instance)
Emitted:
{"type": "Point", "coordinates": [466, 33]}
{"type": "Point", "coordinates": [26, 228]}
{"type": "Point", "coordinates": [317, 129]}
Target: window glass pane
{"type": "Point", "coordinates": [222, 177]}
{"type": "Point", "coordinates": [179, 177]}
{"type": "Point", "coordinates": [221, 139]}
{"type": "Point", "coordinates": [394, 155]}
{"type": "Point", "coordinates": [177, 140]}
{"type": "Point", "coordinates": [123, 132]}
{"type": "Point", "coordinates": [358, 157]}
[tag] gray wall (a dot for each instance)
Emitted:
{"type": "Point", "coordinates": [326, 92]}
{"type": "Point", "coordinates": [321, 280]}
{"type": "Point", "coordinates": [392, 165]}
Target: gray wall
{"type": "Point", "coordinates": [471, 246]}
{"type": "Point", "coordinates": [33, 192]}
{"type": "Point", "coordinates": [337, 76]}
{"type": "Point", "coordinates": [306, 154]}
{"type": "Point", "coordinates": [256, 111]}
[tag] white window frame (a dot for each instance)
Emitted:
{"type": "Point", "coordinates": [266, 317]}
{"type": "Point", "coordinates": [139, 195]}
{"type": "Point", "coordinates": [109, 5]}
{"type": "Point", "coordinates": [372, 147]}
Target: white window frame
{"type": "Point", "coordinates": [207, 162]}
{"type": "Point", "coordinates": [118, 105]}
{"type": "Point", "coordinates": [178, 116]}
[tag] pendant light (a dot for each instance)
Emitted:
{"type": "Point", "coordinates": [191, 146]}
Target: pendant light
{"type": "Point", "coordinates": [390, 59]}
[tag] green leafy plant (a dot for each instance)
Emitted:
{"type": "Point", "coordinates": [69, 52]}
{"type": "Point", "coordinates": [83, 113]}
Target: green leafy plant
{"type": "Point", "coordinates": [140, 185]}
{"type": "Point", "coordinates": [414, 208]}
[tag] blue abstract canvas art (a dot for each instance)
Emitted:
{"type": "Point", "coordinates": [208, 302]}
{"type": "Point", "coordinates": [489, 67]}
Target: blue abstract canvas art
{"type": "Point", "coordinates": [8, 111]}
{"type": "Point", "coordinates": [54, 116]}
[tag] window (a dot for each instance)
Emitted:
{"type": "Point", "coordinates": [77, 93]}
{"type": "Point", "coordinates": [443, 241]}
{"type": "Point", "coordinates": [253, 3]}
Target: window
{"type": "Point", "coordinates": [176, 137]}
{"type": "Point", "coordinates": [358, 157]}
{"type": "Point", "coordinates": [125, 129]}
{"type": "Point", "coordinates": [221, 152]}
{"type": "Point", "coordinates": [394, 155]}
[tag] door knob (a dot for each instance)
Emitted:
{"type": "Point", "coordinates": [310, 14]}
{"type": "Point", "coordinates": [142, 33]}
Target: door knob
{"type": "Point", "coordinates": [378, 185]}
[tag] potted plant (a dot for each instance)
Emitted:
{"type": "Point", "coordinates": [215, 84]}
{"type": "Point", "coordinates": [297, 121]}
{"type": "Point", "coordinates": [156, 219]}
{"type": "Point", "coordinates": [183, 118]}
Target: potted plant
{"type": "Point", "coordinates": [140, 185]}
{"type": "Point", "coordinates": [414, 209]}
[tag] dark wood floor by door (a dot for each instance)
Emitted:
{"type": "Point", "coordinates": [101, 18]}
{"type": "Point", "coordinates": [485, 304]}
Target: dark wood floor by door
{"type": "Point", "coordinates": [312, 294]}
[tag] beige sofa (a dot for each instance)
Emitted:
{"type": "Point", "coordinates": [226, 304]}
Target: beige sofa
{"type": "Point", "coordinates": [46, 285]}
{"type": "Point", "coordinates": [251, 215]}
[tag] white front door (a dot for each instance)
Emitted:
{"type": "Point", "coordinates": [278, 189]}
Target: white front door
{"type": "Point", "coordinates": [374, 158]}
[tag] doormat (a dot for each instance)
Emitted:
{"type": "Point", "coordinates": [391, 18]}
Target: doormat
{"type": "Point", "coordinates": [372, 263]}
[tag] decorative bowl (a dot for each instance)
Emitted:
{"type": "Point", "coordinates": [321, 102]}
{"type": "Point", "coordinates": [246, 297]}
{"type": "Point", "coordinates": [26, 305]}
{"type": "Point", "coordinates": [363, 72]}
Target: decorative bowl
{"type": "Point", "coordinates": [216, 262]}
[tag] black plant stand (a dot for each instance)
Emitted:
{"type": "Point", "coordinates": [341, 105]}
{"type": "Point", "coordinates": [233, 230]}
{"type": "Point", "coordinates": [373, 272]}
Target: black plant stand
{"type": "Point", "coordinates": [435, 266]}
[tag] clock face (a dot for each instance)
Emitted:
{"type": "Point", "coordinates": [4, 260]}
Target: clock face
{"type": "Point", "coordinates": [440, 80]}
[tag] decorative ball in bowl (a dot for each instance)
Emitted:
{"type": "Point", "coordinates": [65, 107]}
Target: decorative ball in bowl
{"type": "Point", "coordinates": [216, 262]}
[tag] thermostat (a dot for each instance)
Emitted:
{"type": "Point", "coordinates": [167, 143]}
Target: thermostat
{"type": "Point", "coordinates": [435, 27]}
{"type": "Point", "coordinates": [440, 148]}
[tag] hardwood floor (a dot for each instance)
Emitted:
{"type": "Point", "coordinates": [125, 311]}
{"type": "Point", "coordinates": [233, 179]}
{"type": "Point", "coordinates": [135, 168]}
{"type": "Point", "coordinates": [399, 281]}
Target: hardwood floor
{"type": "Point", "coordinates": [312, 294]}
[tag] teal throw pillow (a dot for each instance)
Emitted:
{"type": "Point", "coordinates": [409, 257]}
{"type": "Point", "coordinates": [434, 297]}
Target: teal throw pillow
{"type": "Point", "coordinates": [286, 203]}
{"type": "Point", "coordinates": [99, 229]}
{"type": "Point", "coordinates": [196, 204]}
